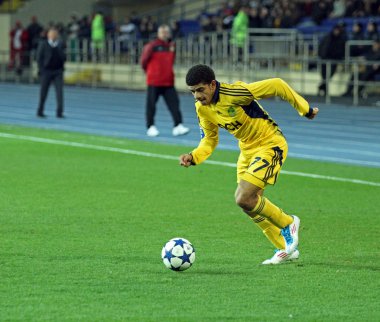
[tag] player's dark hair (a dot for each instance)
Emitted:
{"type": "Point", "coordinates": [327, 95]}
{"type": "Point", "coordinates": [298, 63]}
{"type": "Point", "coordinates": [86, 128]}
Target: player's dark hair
{"type": "Point", "coordinates": [199, 74]}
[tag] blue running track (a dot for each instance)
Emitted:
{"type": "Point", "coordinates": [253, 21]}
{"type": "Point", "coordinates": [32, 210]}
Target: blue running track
{"type": "Point", "coordinates": [339, 134]}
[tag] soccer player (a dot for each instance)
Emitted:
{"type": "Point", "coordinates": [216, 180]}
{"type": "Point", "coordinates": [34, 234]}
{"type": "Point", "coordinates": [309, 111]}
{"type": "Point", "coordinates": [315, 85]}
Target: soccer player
{"type": "Point", "coordinates": [263, 148]}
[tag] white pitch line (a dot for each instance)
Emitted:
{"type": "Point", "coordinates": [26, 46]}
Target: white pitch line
{"type": "Point", "coordinates": [171, 157]}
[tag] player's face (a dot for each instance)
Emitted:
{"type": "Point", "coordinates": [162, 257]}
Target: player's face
{"type": "Point", "coordinates": [203, 93]}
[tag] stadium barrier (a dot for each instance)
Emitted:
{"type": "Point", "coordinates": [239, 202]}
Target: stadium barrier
{"type": "Point", "coordinates": [267, 53]}
{"type": "Point", "coordinates": [350, 44]}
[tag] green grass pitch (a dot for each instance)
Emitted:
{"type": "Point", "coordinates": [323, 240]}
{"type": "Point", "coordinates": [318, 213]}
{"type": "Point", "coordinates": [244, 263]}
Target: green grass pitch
{"type": "Point", "coordinates": [81, 233]}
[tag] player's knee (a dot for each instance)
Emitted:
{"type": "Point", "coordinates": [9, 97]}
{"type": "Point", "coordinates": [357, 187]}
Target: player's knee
{"type": "Point", "coordinates": [245, 201]}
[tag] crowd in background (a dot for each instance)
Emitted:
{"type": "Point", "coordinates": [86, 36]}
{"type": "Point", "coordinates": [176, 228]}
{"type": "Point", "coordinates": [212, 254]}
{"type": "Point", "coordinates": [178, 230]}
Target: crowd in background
{"type": "Point", "coordinates": [286, 13]}
{"type": "Point", "coordinates": [236, 16]}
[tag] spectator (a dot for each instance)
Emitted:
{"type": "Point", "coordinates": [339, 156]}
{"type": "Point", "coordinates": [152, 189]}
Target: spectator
{"type": "Point", "coordinates": [289, 19]}
{"type": "Point", "coordinates": [207, 24]}
{"type": "Point", "coordinates": [357, 34]}
{"type": "Point", "coordinates": [265, 18]}
{"type": "Point", "coordinates": [157, 60]}
{"type": "Point", "coordinates": [34, 31]}
{"type": "Point", "coordinates": [143, 28]}
{"type": "Point", "coordinates": [135, 18]}
{"type": "Point", "coordinates": [84, 28]}
{"type": "Point", "coordinates": [372, 32]}
{"type": "Point", "coordinates": [84, 35]}
{"type": "Point", "coordinates": [18, 47]}
{"type": "Point", "coordinates": [227, 22]}
{"type": "Point", "coordinates": [127, 33]}
{"type": "Point", "coordinates": [368, 71]}
{"type": "Point", "coordinates": [331, 47]}
{"type": "Point", "coordinates": [73, 35]}
{"type": "Point", "coordinates": [73, 27]}
{"type": "Point", "coordinates": [254, 18]}
{"type": "Point", "coordinates": [218, 23]}
{"type": "Point", "coordinates": [225, 10]}
{"type": "Point", "coordinates": [176, 30]}
{"type": "Point", "coordinates": [307, 7]}
{"type": "Point", "coordinates": [339, 9]}
{"type": "Point", "coordinates": [62, 32]}
{"type": "Point", "coordinates": [355, 8]}
{"type": "Point", "coordinates": [374, 8]}
{"type": "Point", "coordinates": [110, 27]}
{"type": "Point", "coordinates": [239, 31]}
{"type": "Point", "coordinates": [226, 13]}
{"type": "Point", "coordinates": [147, 27]}
{"type": "Point", "coordinates": [320, 12]}
{"type": "Point", "coordinates": [98, 35]}
{"type": "Point", "coordinates": [51, 60]}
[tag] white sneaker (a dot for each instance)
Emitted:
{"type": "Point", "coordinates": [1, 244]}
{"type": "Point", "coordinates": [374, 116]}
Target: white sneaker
{"type": "Point", "coordinates": [180, 130]}
{"type": "Point", "coordinates": [152, 131]}
{"type": "Point", "coordinates": [290, 234]}
{"type": "Point", "coordinates": [280, 256]}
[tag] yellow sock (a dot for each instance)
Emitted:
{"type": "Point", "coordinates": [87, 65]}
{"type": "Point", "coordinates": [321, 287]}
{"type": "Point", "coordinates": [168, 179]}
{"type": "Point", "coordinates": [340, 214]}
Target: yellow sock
{"type": "Point", "coordinates": [270, 211]}
{"type": "Point", "coordinates": [272, 232]}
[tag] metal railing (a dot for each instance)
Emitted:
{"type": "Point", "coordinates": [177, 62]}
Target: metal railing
{"type": "Point", "coordinates": [210, 47]}
{"type": "Point", "coordinates": [284, 55]}
{"type": "Point", "coordinates": [350, 44]}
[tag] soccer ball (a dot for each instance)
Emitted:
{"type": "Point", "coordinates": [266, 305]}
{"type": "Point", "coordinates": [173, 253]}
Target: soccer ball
{"type": "Point", "coordinates": [178, 254]}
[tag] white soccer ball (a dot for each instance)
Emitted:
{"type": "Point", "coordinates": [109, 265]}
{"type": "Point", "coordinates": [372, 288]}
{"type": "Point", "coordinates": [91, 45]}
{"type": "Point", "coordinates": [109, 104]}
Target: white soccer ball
{"type": "Point", "coordinates": [178, 254]}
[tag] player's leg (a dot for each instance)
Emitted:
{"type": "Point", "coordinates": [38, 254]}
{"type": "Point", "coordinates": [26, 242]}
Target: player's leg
{"type": "Point", "coordinates": [45, 79]}
{"type": "Point", "coordinates": [263, 169]}
{"type": "Point", "coordinates": [322, 86]}
{"type": "Point", "coordinates": [172, 101]}
{"type": "Point", "coordinates": [151, 100]}
{"type": "Point", "coordinates": [58, 84]}
{"type": "Point", "coordinates": [271, 231]}
{"type": "Point", "coordinates": [250, 198]}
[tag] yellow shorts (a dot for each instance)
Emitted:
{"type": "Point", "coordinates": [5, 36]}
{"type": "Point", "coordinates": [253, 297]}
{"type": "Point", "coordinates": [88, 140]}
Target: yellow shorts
{"type": "Point", "coordinates": [261, 165]}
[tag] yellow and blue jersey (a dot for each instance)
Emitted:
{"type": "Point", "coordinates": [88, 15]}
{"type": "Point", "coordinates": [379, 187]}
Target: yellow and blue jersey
{"type": "Point", "coordinates": [235, 108]}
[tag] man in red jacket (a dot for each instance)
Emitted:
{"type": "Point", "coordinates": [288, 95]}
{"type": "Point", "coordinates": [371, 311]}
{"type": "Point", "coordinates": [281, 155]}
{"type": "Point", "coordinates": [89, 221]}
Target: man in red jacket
{"type": "Point", "coordinates": [18, 45]}
{"type": "Point", "coordinates": [157, 60]}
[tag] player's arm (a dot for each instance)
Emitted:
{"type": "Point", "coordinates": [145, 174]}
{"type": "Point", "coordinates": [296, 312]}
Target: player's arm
{"type": "Point", "coordinates": [146, 55]}
{"type": "Point", "coordinates": [278, 87]}
{"type": "Point", "coordinates": [40, 55]}
{"type": "Point", "coordinates": [208, 143]}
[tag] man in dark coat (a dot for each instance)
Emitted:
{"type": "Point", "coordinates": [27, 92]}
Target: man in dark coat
{"type": "Point", "coordinates": [51, 60]}
{"type": "Point", "coordinates": [331, 47]}
{"type": "Point", "coordinates": [34, 32]}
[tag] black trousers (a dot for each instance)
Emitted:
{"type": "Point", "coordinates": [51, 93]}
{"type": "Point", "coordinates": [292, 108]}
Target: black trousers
{"type": "Point", "coordinates": [171, 99]}
{"type": "Point", "coordinates": [46, 78]}
{"type": "Point", "coordinates": [322, 86]}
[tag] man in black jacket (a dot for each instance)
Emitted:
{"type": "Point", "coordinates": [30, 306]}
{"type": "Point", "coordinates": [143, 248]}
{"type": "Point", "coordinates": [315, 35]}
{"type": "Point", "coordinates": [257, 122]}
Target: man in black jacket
{"type": "Point", "coordinates": [51, 60]}
{"type": "Point", "coordinates": [331, 47]}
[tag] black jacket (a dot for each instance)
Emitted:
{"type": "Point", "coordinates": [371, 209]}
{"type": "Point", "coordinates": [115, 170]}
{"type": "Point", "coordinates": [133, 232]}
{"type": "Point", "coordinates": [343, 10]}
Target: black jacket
{"type": "Point", "coordinates": [332, 47]}
{"type": "Point", "coordinates": [45, 55]}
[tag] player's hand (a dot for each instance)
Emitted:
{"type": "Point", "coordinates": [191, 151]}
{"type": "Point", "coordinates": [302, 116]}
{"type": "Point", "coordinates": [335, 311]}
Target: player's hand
{"type": "Point", "coordinates": [314, 113]}
{"type": "Point", "coordinates": [185, 160]}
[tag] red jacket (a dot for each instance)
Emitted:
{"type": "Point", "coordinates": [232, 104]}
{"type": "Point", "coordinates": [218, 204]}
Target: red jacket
{"type": "Point", "coordinates": [23, 39]}
{"type": "Point", "coordinates": [157, 60]}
